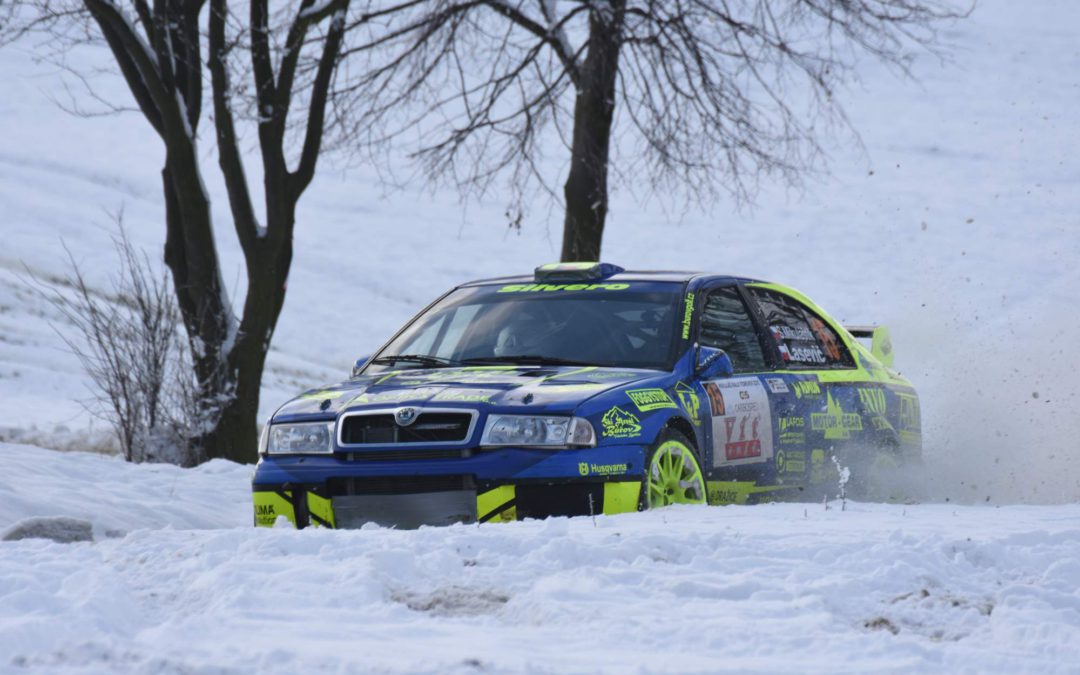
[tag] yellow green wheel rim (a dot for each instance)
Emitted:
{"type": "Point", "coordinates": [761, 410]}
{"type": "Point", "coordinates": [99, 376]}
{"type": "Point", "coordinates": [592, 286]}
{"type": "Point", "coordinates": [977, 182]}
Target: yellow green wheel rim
{"type": "Point", "coordinates": [674, 477]}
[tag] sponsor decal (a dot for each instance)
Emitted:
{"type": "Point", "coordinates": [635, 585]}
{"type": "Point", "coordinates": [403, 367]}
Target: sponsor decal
{"type": "Point", "coordinates": [741, 442]}
{"type": "Point", "coordinates": [791, 461]}
{"type": "Point", "coordinates": [910, 424]}
{"type": "Point", "coordinates": [791, 431]}
{"type": "Point", "coordinates": [777, 385]}
{"type": "Point", "coordinates": [556, 388]}
{"type": "Point", "coordinates": [716, 399]}
{"type": "Point", "coordinates": [650, 399]}
{"type": "Point", "coordinates": [617, 423]}
{"type": "Point", "coordinates": [265, 510]}
{"type": "Point", "coordinates": [466, 375]}
{"type": "Point", "coordinates": [325, 394]}
{"type": "Point", "coordinates": [393, 396]}
{"type": "Point", "coordinates": [587, 469]}
{"type": "Point", "coordinates": [827, 338]}
{"type": "Point", "coordinates": [880, 424]}
{"type": "Point", "coordinates": [742, 431]}
{"type": "Point", "coordinates": [873, 400]}
{"type": "Point", "coordinates": [464, 396]}
{"type": "Point", "coordinates": [792, 423]}
{"type": "Point", "coordinates": [909, 413]}
{"type": "Point", "coordinates": [611, 375]}
{"type": "Point", "coordinates": [690, 401]}
{"type": "Point", "coordinates": [818, 470]}
{"type": "Point", "coordinates": [534, 288]}
{"type": "Point", "coordinates": [806, 388]}
{"type": "Point", "coordinates": [836, 423]}
{"type": "Point", "coordinates": [725, 496]}
{"type": "Point", "coordinates": [688, 315]}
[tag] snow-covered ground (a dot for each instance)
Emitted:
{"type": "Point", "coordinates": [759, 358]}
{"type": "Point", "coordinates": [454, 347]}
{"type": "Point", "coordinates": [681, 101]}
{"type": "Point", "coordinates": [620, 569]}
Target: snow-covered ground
{"type": "Point", "coordinates": [770, 588]}
{"type": "Point", "coordinates": [958, 226]}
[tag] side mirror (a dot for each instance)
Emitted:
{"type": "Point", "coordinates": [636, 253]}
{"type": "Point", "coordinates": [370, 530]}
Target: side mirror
{"type": "Point", "coordinates": [359, 365]}
{"type": "Point", "coordinates": [712, 362]}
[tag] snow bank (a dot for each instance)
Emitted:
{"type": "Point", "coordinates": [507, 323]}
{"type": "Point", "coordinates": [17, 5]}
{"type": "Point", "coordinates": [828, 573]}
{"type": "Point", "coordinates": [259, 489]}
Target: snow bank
{"type": "Point", "coordinates": [117, 496]}
{"type": "Point", "coordinates": [770, 588]}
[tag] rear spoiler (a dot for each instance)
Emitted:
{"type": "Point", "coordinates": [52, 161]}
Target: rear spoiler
{"type": "Point", "coordinates": [880, 341]}
{"type": "Point", "coordinates": [861, 331]}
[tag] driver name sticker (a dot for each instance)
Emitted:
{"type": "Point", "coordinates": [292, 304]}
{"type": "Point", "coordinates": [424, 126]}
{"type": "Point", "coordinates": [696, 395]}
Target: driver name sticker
{"type": "Point", "coordinates": [743, 433]}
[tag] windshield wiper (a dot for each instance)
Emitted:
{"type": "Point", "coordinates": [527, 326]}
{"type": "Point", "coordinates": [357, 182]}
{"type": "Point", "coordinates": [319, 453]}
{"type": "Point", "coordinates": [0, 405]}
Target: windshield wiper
{"type": "Point", "coordinates": [422, 359]}
{"type": "Point", "coordinates": [526, 359]}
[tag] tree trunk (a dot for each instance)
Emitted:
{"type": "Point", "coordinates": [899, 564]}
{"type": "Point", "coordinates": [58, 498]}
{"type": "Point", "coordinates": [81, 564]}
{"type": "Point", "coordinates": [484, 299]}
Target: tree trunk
{"type": "Point", "coordinates": [163, 72]}
{"type": "Point", "coordinates": [586, 186]}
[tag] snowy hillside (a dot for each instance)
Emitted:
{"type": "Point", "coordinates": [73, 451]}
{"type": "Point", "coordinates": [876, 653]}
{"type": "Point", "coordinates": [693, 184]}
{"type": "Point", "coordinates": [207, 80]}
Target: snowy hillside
{"type": "Point", "coordinates": [759, 589]}
{"type": "Point", "coordinates": [957, 224]}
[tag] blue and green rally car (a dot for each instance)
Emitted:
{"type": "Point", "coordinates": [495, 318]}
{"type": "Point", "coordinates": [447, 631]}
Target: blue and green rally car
{"type": "Point", "coordinates": [587, 389]}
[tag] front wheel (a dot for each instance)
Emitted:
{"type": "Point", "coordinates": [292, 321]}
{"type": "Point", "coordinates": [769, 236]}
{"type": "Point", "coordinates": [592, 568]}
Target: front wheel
{"type": "Point", "coordinates": [674, 475]}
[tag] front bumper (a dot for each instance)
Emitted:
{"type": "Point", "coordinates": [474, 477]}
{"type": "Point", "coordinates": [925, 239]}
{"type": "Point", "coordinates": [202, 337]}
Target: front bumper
{"type": "Point", "coordinates": [343, 491]}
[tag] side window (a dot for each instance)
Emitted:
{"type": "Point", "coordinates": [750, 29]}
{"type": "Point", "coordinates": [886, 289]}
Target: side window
{"type": "Point", "coordinates": [725, 324]}
{"type": "Point", "coordinates": [803, 338]}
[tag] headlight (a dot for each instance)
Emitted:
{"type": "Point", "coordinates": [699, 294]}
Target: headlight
{"type": "Point", "coordinates": [538, 431]}
{"type": "Point", "coordinates": [305, 438]}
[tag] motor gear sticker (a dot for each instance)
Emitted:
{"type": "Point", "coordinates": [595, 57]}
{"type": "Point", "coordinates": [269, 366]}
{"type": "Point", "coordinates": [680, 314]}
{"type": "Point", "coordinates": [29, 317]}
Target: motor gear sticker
{"type": "Point", "coordinates": [743, 433]}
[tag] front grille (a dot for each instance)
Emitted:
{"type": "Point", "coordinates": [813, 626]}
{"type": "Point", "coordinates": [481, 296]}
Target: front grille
{"type": "Point", "coordinates": [429, 428]}
{"type": "Point", "coordinates": [397, 485]}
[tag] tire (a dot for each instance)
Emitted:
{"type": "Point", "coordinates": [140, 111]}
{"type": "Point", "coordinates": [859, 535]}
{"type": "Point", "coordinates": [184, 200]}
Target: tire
{"type": "Point", "coordinates": [672, 473]}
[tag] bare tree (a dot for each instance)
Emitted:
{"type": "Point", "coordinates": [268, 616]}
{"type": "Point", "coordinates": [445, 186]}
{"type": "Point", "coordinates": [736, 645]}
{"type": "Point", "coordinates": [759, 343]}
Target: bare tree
{"type": "Point", "coordinates": [704, 94]}
{"type": "Point", "coordinates": [129, 343]}
{"type": "Point", "coordinates": [272, 69]}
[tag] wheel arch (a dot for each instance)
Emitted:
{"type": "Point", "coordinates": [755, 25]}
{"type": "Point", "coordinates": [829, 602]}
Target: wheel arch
{"type": "Point", "coordinates": [683, 426]}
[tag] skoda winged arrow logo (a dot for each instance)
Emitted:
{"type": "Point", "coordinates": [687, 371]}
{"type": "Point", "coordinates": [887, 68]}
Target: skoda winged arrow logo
{"type": "Point", "coordinates": [405, 416]}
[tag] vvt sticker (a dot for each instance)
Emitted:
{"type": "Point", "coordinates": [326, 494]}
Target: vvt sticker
{"type": "Point", "coordinates": [742, 434]}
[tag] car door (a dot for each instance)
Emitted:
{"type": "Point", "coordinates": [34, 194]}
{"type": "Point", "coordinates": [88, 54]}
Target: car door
{"type": "Point", "coordinates": [823, 407]}
{"type": "Point", "coordinates": [743, 407]}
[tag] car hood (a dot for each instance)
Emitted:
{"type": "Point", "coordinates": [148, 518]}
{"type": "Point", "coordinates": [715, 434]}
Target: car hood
{"type": "Point", "coordinates": [541, 388]}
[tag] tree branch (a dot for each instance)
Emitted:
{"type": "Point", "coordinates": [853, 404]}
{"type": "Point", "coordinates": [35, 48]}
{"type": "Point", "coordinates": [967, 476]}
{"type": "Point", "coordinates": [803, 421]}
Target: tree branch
{"type": "Point", "coordinates": [229, 158]}
{"type": "Point", "coordinates": [317, 110]}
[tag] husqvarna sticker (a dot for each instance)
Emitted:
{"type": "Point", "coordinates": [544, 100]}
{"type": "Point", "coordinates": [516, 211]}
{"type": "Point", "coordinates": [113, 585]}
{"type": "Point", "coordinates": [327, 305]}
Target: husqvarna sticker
{"type": "Point", "coordinates": [742, 432]}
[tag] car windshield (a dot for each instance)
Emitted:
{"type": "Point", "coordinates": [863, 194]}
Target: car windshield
{"type": "Point", "coordinates": [629, 325]}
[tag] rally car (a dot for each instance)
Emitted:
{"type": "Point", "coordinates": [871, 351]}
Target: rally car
{"type": "Point", "coordinates": [587, 389]}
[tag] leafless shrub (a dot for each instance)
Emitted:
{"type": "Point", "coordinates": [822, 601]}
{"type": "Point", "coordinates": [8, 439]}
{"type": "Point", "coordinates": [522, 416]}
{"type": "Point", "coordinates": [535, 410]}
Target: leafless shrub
{"type": "Point", "coordinates": [129, 342]}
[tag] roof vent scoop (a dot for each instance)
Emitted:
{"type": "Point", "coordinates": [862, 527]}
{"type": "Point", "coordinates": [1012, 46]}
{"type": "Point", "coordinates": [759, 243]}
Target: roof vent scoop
{"type": "Point", "coordinates": [576, 271]}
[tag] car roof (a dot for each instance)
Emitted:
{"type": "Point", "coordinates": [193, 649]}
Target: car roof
{"type": "Point", "coordinates": [628, 275]}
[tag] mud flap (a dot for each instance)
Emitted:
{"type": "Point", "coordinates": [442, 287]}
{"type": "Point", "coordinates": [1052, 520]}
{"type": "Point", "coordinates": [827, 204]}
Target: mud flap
{"type": "Point", "coordinates": [320, 511]}
{"type": "Point", "coordinates": [270, 505]}
{"type": "Point", "coordinates": [621, 497]}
